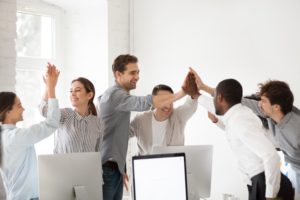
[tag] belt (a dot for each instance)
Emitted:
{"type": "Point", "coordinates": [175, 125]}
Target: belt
{"type": "Point", "coordinates": [111, 164]}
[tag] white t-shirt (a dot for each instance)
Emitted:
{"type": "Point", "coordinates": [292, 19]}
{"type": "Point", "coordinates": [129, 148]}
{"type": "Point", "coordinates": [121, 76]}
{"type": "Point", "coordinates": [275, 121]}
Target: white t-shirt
{"type": "Point", "coordinates": [158, 132]}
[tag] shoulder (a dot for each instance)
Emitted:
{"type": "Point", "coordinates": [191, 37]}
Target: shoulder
{"type": "Point", "coordinates": [142, 117]}
{"type": "Point", "coordinates": [112, 93]}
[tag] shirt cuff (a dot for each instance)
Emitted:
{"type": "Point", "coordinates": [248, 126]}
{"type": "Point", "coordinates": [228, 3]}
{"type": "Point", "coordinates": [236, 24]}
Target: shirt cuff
{"type": "Point", "coordinates": [271, 191]}
{"type": "Point", "coordinates": [52, 102]}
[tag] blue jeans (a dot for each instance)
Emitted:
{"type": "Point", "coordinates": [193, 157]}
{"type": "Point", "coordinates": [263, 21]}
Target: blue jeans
{"type": "Point", "coordinates": [113, 183]}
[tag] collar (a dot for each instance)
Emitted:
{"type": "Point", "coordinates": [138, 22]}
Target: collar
{"type": "Point", "coordinates": [231, 111]}
{"type": "Point", "coordinates": [79, 117]}
{"type": "Point", "coordinates": [8, 126]}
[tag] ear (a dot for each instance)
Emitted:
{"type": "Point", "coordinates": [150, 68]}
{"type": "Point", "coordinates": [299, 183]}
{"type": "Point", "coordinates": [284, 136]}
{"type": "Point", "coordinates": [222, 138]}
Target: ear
{"type": "Point", "coordinates": [118, 74]}
{"type": "Point", "coordinates": [277, 107]}
{"type": "Point", "coordinates": [90, 95]}
{"type": "Point", "coordinates": [219, 97]}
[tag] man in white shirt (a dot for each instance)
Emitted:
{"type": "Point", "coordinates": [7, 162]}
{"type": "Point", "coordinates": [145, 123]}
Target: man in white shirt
{"type": "Point", "coordinates": [257, 157]}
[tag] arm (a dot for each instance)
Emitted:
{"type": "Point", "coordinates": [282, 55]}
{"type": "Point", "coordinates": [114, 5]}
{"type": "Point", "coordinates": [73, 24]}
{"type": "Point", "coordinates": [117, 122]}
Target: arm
{"type": "Point", "coordinates": [216, 121]}
{"type": "Point", "coordinates": [208, 104]}
{"type": "Point", "coordinates": [166, 99]}
{"type": "Point", "coordinates": [186, 110]}
{"type": "Point", "coordinates": [100, 126]}
{"type": "Point", "coordinates": [50, 80]}
{"type": "Point", "coordinates": [35, 133]}
{"type": "Point", "coordinates": [254, 106]}
{"type": "Point", "coordinates": [127, 102]}
{"type": "Point", "coordinates": [133, 127]}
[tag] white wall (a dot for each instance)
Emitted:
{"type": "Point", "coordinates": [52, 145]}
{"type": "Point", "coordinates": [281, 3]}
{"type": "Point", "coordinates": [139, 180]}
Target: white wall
{"type": "Point", "coordinates": [7, 53]}
{"type": "Point", "coordinates": [251, 41]}
{"type": "Point", "coordinates": [7, 48]}
{"type": "Point", "coordinates": [85, 46]}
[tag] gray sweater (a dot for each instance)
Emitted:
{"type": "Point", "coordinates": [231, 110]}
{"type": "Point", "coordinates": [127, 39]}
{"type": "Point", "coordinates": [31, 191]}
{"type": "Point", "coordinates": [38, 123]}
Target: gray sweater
{"type": "Point", "coordinates": [115, 106]}
{"type": "Point", "coordinates": [141, 126]}
{"type": "Point", "coordinates": [286, 133]}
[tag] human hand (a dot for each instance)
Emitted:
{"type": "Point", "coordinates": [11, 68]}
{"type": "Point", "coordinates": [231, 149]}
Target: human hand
{"type": "Point", "coordinates": [126, 181]}
{"type": "Point", "coordinates": [212, 117]}
{"type": "Point", "coordinates": [198, 80]}
{"type": "Point", "coordinates": [190, 87]}
{"type": "Point", "coordinates": [51, 76]}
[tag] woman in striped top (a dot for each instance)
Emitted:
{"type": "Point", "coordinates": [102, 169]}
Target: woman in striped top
{"type": "Point", "coordinates": [80, 130]}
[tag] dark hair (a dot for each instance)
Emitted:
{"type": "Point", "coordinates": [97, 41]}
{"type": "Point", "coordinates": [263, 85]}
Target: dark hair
{"type": "Point", "coordinates": [89, 87]}
{"type": "Point", "coordinates": [278, 92]}
{"type": "Point", "coordinates": [256, 97]}
{"type": "Point", "coordinates": [160, 87]}
{"type": "Point", "coordinates": [7, 100]}
{"type": "Point", "coordinates": [121, 61]}
{"type": "Point", "coordinates": [231, 90]}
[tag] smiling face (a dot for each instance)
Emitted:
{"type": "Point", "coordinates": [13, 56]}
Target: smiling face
{"type": "Point", "coordinates": [78, 95]}
{"type": "Point", "coordinates": [129, 77]}
{"type": "Point", "coordinates": [166, 111]}
{"type": "Point", "coordinates": [16, 113]}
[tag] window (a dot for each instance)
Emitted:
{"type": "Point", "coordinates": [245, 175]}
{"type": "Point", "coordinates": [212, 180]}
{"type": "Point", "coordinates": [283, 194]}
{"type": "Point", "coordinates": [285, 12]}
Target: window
{"type": "Point", "coordinates": [35, 35]}
{"type": "Point", "coordinates": [35, 45]}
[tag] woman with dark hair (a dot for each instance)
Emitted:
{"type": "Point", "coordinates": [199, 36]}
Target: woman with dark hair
{"type": "Point", "coordinates": [80, 130]}
{"type": "Point", "coordinates": [19, 166]}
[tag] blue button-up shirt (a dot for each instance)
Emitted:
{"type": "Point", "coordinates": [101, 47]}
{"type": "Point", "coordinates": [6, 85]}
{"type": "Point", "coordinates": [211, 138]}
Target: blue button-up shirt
{"type": "Point", "coordinates": [19, 167]}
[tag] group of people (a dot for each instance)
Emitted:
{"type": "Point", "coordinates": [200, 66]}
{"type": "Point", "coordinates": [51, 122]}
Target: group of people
{"type": "Point", "coordinates": [107, 128]}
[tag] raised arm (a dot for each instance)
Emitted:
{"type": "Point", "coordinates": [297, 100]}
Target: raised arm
{"type": "Point", "coordinates": [37, 132]}
{"type": "Point", "coordinates": [189, 87]}
{"type": "Point", "coordinates": [50, 80]}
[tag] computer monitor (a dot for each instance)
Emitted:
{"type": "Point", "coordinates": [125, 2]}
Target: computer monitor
{"type": "Point", "coordinates": [199, 167]}
{"type": "Point", "coordinates": [75, 176]}
{"type": "Point", "coordinates": [159, 177]}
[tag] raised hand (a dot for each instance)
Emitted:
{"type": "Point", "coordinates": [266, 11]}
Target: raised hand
{"type": "Point", "coordinates": [200, 84]}
{"type": "Point", "coordinates": [50, 79]}
{"type": "Point", "coordinates": [51, 76]}
{"type": "Point", "coordinates": [190, 87]}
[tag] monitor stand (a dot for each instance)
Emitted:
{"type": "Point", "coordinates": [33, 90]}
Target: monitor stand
{"type": "Point", "coordinates": [80, 192]}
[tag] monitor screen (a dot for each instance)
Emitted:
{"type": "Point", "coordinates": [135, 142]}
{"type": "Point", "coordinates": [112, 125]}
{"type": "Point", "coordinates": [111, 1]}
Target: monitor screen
{"type": "Point", "coordinates": [75, 176]}
{"type": "Point", "coordinates": [159, 177]}
{"type": "Point", "coordinates": [198, 165]}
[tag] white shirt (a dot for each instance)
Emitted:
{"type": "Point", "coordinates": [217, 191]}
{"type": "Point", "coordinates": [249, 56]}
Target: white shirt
{"type": "Point", "coordinates": [159, 132]}
{"type": "Point", "coordinates": [254, 151]}
{"type": "Point", "coordinates": [248, 141]}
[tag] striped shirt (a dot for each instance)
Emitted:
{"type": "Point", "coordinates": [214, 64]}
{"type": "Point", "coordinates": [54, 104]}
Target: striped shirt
{"type": "Point", "coordinates": [76, 133]}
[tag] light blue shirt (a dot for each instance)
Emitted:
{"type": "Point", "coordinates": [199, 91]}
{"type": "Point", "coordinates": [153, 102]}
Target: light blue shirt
{"type": "Point", "coordinates": [19, 167]}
